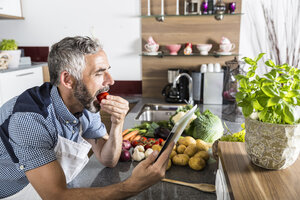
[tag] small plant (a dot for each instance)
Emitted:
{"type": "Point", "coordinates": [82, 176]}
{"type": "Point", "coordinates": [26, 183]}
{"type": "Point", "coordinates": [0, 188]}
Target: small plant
{"type": "Point", "coordinates": [8, 45]}
{"type": "Point", "coordinates": [274, 96]}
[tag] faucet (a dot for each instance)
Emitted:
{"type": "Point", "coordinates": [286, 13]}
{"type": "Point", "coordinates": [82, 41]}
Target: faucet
{"type": "Point", "coordinates": [191, 99]}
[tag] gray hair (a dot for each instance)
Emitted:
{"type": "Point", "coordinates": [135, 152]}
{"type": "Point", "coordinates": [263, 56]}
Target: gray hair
{"type": "Point", "coordinates": [68, 55]}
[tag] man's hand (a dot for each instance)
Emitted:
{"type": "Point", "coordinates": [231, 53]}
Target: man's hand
{"type": "Point", "coordinates": [116, 106]}
{"type": "Point", "coordinates": [147, 172]}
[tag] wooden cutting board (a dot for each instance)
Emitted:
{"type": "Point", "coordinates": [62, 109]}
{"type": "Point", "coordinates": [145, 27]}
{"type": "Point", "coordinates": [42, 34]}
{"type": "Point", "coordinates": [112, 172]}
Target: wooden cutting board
{"type": "Point", "coordinates": [248, 181]}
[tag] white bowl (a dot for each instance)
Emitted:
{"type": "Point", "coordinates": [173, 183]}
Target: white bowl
{"type": "Point", "coordinates": [204, 48]}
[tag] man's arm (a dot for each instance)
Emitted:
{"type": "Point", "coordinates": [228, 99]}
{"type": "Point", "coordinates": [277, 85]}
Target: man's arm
{"type": "Point", "coordinates": [108, 151]}
{"type": "Point", "coordinates": [49, 180]}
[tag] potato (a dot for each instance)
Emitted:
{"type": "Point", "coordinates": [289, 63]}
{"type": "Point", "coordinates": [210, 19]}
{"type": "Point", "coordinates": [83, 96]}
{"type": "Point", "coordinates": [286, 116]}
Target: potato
{"type": "Point", "coordinates": [187, 141]}
{"type": "Point", "coordinates": [180, 159]}
{"type": "Point", "coordinates": [169, 164]}
{"type": "Point", "coordinates": [202, 154]}
{"type": "Point", "coordinates": [191, 150]}
{"type": "Point", "coordinates": [196, 163]}
{"type": "Point", "coordinates": [156, 147]}
{"type": "Point", "coordinates": [181, 148]}
{"type": "Point", "coordinates": [201, 145]}
{"type": "Point", "coordinates": [173, 153]}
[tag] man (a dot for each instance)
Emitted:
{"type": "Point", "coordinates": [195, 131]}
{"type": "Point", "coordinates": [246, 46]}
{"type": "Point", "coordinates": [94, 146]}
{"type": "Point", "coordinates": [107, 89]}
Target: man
{"type": "Point", "coordinates": [47, 131]}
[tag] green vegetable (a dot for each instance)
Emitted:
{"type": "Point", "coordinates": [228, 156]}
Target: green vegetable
{"type": "Point", "coordinates": [151, 129]}
{"type": "Point", "coordinates": [207, 127]}
{"type": "Point", "coordinates": [234, 137]}
{"type": "Point", "coordinates": [8, 45]}
{"type": "Point", "coordinates": [274, 96]}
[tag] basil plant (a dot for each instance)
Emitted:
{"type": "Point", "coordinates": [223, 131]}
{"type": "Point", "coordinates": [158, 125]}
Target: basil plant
{"type": "Point", "coordinates": [274, 97]}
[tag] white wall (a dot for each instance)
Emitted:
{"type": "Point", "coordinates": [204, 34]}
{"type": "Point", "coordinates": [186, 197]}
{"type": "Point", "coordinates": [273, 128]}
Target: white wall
{"type": "Point", "coordinates": [115, 23]}
{"type": "Point", "coordinates": [280, 42]}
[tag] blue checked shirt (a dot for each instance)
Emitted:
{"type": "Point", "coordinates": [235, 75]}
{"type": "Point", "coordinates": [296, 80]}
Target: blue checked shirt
{"type": "Point", "coordinates": [29, 128]}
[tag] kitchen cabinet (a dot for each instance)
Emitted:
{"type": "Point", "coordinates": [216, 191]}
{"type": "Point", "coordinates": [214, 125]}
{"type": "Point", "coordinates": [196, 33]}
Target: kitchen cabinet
{"type": "Point", "coordinates": [11, 9]}
{"type": "Point", "coordinates": [244, 180]}
{"type": "Point", "coordinates": [182, 29]}
{"type": "Point", "coordinates": [13, 83]}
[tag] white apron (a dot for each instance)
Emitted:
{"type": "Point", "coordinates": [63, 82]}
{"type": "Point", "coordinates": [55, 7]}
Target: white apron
{"type": "Point", "coordinates": [72, 157]}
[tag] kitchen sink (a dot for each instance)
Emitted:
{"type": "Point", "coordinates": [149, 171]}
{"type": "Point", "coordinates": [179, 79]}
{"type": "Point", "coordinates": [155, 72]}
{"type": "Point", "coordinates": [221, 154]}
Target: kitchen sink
{"type": "Point", "coordinates": [157, 112]}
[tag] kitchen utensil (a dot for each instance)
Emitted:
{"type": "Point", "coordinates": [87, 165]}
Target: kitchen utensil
{"type": "Point", "coordinates": [199, 186]}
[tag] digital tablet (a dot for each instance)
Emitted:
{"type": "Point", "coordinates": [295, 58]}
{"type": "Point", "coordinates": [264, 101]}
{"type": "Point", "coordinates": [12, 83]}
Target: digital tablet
{"type": "Point", "coordinates": [177, 129]}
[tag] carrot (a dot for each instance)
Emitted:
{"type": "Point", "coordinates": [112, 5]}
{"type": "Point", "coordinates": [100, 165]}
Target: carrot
{"type": "Point", "coordinates": [125, 132]}
{"type": "Point", "coordinates": [137, 137]}
{"type": "Point", "coordinates": [129, 135]}
{"type": "Point", "coordinates": [133, 137]}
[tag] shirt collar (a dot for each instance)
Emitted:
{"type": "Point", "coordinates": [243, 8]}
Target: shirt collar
{"type": "Point", "coordinates": [61, 109]}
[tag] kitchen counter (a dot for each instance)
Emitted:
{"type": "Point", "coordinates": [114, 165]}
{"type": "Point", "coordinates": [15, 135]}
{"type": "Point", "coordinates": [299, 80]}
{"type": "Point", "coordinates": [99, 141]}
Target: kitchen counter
{"type": "Point", "coordinates": [96, 175]}
{"type": "Point", "coordinates": [25, 66]}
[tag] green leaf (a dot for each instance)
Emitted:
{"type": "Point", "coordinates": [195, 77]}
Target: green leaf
{"type": "Point", "coordinates": [239, 96]}
{"type": "Point", "coordinates": [249, 61]}
{"type": "Point", "coordinates": [243, 83]}
{"type": "Point", "coordinates": [274, 101]}
{"type": "Point", "coordinates": [269, 90]}
{"type": "Point", "coordinates": [288, 112]}
{"type": "Point", "coordinates": [239, 77]}
{"type": "Point", "coordinates": [256, 105]}
{"type": "Point", "coordinates": [270, 63]}
{"type": "Point", "coordinates": [243, 104]}
{"type": "Point", "coordinates": [250, 73]}
{"type": "Point", "coordinates": [263, 101]}
{"type": "Point", "coordinates": [282, 78]}
{"type": "Point", "coordinates": [293, 93]}
{"type": "Point", "coordinates": [247, 111]}
{"type": "Point", "coordinates": [262, 114]}
{"type": "Point", "coordinates": [259, 56]}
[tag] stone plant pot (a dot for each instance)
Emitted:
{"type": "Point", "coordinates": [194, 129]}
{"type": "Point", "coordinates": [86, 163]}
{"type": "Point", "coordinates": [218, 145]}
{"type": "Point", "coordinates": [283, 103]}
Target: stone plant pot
{"type": "Point", "coordinates": [272, 146]}
{"type": "Point", "coordinates": [15, 56]}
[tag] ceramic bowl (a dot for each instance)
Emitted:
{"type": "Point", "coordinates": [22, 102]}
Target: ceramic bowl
{"type": "Point", "coordinates": [204, 48]}
{"type": "Point", "coordinates": [173, 48]}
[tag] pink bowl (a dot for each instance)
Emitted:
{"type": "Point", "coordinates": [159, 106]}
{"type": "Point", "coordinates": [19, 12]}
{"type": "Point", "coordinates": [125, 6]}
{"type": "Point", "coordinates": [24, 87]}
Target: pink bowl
{"type": "Point", "coordinates": [173, 48]}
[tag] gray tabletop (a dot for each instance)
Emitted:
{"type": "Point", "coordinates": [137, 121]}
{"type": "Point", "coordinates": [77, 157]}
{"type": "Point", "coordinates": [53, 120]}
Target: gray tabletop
{"type": "Point", "coordinates": [96, 175]}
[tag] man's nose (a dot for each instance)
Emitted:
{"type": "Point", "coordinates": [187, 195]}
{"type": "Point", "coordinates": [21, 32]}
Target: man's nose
{"type": "Point", "coordinates": [108, 79]}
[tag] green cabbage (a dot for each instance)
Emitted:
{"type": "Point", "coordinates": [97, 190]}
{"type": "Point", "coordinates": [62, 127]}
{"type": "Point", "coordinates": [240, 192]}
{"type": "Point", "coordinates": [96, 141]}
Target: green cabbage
{"type": "Point", "coordinates": [207, 127]}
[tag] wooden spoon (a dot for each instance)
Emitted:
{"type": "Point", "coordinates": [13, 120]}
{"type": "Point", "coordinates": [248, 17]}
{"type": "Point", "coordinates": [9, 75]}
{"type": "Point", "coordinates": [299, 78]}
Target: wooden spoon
{"type": "Point", "coordinates": [200, 186]}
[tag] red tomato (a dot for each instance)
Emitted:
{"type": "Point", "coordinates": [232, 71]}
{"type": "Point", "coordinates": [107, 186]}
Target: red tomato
{"type": "Point", "coordinates": [160, 140]}
{"type": "Point", "coordinates": [134, 143]}
{"type": "Point", "coordinates": [102, 96]}
{"type": "Point", "coordinates": [151, 140]}
{"type": "Point", "coordinates": [143, 139]}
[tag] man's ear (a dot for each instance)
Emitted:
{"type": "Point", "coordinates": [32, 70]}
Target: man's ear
{"type": "Point", "coordinates": [67, 80]}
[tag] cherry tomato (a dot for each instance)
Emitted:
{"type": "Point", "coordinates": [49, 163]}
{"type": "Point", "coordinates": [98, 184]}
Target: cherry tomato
{"type": "Point", "coordinates": [102, 96]}
{"type": "Point", "coordinates": [134, 143]}
{"type": "Point", "coordinates": [151, 140]}
{"type": "Point", "coordinates": [143, 139]}
{"type": "Point", "coordinates": [160, 140]}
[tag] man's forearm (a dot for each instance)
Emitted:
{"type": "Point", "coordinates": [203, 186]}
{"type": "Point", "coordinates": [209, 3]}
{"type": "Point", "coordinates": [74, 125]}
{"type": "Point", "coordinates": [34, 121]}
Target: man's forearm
{"type": "Point", "coordinates": [110, 153]}
{"type": "Point", "coordinates": [121, 190]}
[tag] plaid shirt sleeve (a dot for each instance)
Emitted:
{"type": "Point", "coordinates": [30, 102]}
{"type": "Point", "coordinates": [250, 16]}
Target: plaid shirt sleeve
{"type": "Point", "coordinates": [92, 125]}
{"type": "Point", "coordinates": [33, 139]}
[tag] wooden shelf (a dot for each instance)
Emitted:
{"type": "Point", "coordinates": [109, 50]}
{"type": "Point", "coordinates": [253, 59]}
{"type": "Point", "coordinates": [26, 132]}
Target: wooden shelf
{"type": "Point", "coordinates": [161, 55]}
{"type": "Point", "coordinates": [155, 16]}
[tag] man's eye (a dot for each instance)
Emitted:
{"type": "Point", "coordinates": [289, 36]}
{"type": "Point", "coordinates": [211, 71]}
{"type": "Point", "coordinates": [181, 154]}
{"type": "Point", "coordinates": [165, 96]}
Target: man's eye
{"type": "Point", "coordinates": [99, 74]}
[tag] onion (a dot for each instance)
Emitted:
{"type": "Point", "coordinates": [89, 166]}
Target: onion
{"type": "Point", "coordinates": [126, 145]}
{"type": "Point", "coordinates": [125, 156]}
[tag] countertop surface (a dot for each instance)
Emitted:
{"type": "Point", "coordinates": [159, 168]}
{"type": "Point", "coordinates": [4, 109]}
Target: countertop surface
{"type": "Point", "coordinates": [248, 181]}
{"type": "Point", "coordinates": [22, 67]}
{"type": "Point", "coordinates": [96, 175]}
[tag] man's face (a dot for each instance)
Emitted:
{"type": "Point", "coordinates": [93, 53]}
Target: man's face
{"type": "Point", "coordinates": [96, 79]}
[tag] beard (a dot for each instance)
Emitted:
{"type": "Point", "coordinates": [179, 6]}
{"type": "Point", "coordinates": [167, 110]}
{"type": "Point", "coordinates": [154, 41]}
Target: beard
{"type": "Point", "coordinates": [87, 100]}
